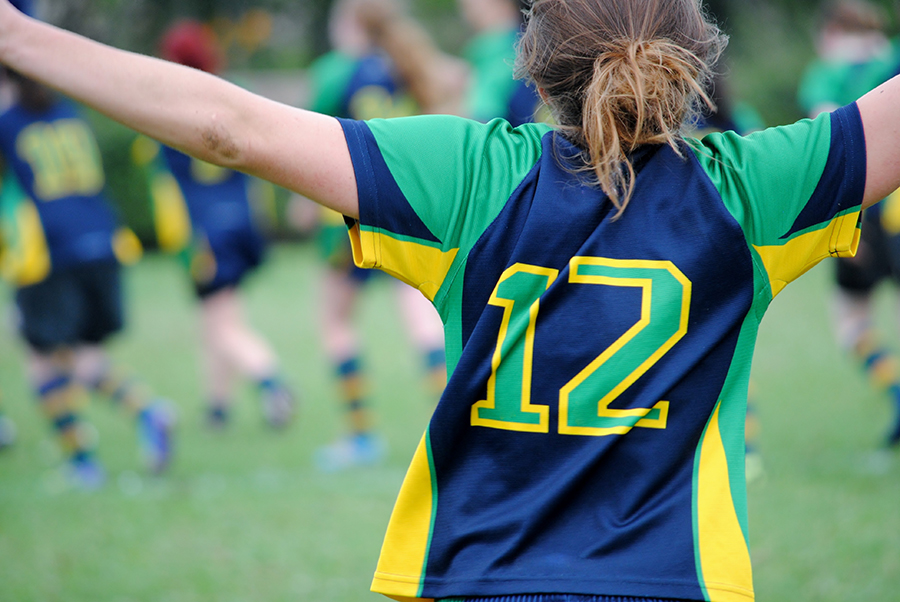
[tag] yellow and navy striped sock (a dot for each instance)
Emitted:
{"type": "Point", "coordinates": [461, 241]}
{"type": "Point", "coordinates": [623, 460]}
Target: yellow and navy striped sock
{"type": "Point", "coordinates": [123, 390]}
{"type": "Point", "coordinates": [60, 399]}
{"type": "Point", "coordinates": [349, 374]}
{"type": "Point", "coordinates": [880, 365]}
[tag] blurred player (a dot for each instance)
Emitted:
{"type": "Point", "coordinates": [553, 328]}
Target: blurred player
{"type": "Point", "coordinates": [207, 212]}
{"type": "Point", "coordinates": [493, 90]}
{"type": "Point", "coordinates": [378, 53]}
{"type": "Point", "coordinates": [63, 248]}
{"type": "Point", "coordinates": [855, 56]}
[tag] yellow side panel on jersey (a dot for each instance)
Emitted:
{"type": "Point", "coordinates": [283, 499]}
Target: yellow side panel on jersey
{"type": "Point", "coordinates": [401, 565]}
{"type": "Point", "coordinates": [785, 263]}
{"type": "Point", "coordinates": [27, 259]}
{"type": "Point", "coordinates": [724, 556]}
{"type": "Point", "coordinates": [421, 266]}
{"type": "Point", "coordinates": [170, 214]}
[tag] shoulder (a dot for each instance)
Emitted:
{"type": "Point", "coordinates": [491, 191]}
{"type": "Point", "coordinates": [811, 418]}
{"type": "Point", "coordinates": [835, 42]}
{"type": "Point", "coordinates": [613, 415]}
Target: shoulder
{"type": "Point", "coordinates": [734, 149]}
{"type": "Point", "coordinates": [448, 135]}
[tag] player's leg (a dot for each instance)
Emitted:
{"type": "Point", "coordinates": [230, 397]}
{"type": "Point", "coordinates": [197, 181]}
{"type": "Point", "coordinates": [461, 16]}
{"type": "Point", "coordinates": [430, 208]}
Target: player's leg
{"type": "Point", "coordinates": [852, 314]}
{"type": "Point", "coordinates": [62, 403]}
{"type": "Point", "coordinates": [218, 379]}
{"type": "Point", "coordinates": [361, 445]}
{"type": "Point", "coordinates": [153, 416]}
{"type": "Point", "coordinates": [231, 346]}
{"type": "Point", "coordinates": [50, 313]}
{"type": "Point", "coordinates": [427, 333]}
{"type": "Point", "coordinates": [890, 226]}
{"type": "Point", "coordinates": [857, 335]}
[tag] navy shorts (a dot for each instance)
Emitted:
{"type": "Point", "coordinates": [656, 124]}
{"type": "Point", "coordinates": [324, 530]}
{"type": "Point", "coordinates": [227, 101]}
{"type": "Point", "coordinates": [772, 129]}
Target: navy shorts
{"type": "Point", "coordinates": [877, 259]}
{"type": "Point", "coordinates": [76, 305]}
{"type": "Point", "coordinates": [231, 255]}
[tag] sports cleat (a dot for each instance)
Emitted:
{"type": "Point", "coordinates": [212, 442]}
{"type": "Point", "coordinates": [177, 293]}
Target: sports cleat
{"type": "Point", "coordinates": [155, 425]}
{"type": "Point", "coordinates": [278, 406]}
{"type": "Point", "coordinates": [362, 449]}
{"type": "Point", "coordinates": [7, 432]}
{"type": "Point", "coordinates": [85, 473]}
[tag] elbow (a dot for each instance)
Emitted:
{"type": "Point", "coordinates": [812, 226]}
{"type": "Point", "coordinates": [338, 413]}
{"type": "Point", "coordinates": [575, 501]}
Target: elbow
{"type": "Point", "coordinates": [219, 145]}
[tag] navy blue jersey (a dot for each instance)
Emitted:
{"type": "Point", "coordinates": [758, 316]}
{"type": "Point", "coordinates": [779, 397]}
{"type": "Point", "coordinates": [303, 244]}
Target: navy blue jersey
{"type": "Point", "coordinates": [54, 159]}
{"type": "Point", "coordinates": [359, 87]}
{"type": "Point", "coordinates": [590, 439]}
{"type": "Point", "coordinates": [227, 242]}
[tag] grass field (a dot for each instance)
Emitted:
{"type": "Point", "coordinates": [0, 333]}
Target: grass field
{"type": "Point", "coordinates": [243, 516]}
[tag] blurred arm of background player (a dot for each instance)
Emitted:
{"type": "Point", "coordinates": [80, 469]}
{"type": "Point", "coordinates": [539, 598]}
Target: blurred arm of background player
{"type": "Point", "coordinates": [226, 125]}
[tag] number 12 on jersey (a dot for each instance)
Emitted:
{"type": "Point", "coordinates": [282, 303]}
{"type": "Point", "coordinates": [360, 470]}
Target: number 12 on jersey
{"type": "Point", "coordinates": [584, 402]}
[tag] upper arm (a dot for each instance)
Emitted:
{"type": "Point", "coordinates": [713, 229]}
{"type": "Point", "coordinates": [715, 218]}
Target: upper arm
{"type": "Point", "coordinates": [880, 112]}
{"type": "Point", "coordinates": [302, 151]}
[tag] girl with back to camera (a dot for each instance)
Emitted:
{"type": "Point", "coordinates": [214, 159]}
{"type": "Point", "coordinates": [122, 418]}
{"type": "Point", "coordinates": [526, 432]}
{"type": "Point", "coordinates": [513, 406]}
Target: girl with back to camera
{"type": "Point", "coordinates": [601, 286]}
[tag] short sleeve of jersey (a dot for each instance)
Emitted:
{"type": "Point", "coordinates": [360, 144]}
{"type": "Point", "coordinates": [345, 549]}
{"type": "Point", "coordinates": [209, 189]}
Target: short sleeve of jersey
{"type": "Point", "coordinates": [428, 187]}
{"type": "Point", "coordinates": [795, 190]}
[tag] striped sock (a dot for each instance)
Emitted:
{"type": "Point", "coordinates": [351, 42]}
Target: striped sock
{"type": "Point", "coordinates": [122, 389]}
{"type": "Point", "coordinates": [60, 398]}
{"type": "Point", "coordinates": [349, 374]}
{"type": "Point", "coordinates": [879, 363]}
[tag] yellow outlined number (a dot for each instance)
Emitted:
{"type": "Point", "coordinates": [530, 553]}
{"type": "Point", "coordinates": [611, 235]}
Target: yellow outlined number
{"type": "Point", "coordinates": [584, 402]}
{"type": "Point", "coordinates": [64, 158]}
{"type": "Point", "coordinates": [518, 292]}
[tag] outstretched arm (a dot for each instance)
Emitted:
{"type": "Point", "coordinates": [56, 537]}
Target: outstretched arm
{"type": "Point", "coordinates": [880, 110]}
{"type": "Point", "coordinates": [195, 112]}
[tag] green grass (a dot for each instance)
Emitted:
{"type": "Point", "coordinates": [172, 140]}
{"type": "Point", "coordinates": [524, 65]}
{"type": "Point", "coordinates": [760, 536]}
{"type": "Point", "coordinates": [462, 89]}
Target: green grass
{"type": "Point", "coordinates": [244, 516]}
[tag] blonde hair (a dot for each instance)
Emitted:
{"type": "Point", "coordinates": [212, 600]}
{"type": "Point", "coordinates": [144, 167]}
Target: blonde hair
{"type": "Point", "coordinates": [620, 74]}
